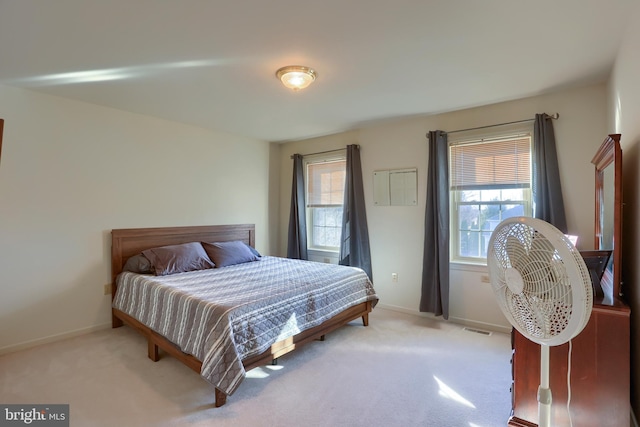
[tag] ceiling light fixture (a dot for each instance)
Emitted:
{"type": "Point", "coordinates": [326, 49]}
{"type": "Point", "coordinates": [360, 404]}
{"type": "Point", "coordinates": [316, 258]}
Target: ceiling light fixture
{"type": "Point", "coordinates": [296, 77]}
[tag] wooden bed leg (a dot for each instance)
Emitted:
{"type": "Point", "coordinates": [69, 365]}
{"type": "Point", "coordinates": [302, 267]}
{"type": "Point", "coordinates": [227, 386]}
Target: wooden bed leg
{"type": "Point", "coordinates": [321, 338]}
{"type": "Point", "coordinates": [365, 319]}
{"type": "Point", "coordinates": [221, 398]}
{"type": "Point", "coordinates": [116, 322]}
{"type": "Point", "coordinates": [152, 351]}
{"type": "Point", "coordinates": [274, 362]}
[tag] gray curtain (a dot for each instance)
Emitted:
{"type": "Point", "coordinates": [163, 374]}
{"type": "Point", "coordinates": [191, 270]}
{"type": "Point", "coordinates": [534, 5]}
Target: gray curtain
{"type": "Point", "coordinates": [297, 243]}
{"type": "Point", "coordinates": [354, 245]}
{"type": "Point", "coordinates": [435, 264]}
{"type": "Point", "coordinates": [548, 204]}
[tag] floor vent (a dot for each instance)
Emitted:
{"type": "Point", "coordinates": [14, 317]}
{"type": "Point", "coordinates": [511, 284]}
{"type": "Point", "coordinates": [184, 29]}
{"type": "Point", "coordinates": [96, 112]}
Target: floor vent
{"type": "Point", "coordinates": [478, 331]}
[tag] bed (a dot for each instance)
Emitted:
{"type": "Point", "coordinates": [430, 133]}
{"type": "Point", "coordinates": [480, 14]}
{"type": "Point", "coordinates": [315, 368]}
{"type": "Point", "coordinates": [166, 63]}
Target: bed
{"type": "Point", "coordinates": [227, 344]}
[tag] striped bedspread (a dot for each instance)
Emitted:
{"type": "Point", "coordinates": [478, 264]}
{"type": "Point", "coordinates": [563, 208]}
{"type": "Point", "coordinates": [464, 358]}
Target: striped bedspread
{"type": "Point", "coordinates": [224, 315]}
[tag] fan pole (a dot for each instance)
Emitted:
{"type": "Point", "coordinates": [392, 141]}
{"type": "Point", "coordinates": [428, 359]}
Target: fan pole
{"type": "Point", "coordinates": [544, 392]}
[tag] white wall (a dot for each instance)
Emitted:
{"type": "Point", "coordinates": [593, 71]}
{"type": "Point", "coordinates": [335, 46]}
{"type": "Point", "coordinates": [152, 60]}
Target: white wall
{"type": "Point", "coordinates": [71, 171]}
{"type": "Point", "coordinates": [624, 113]}
{"type": "Point", "coordinates": [396, 232]}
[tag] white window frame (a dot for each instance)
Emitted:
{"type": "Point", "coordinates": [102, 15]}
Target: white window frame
{"type": "Point", "coordinates": [455, 203]}
{"type": "Point", "coordinates": [314, 159]}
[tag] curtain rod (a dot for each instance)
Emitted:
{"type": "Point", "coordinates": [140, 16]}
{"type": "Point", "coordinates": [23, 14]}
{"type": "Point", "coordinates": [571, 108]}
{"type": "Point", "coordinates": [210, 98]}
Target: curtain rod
{"type": "Point", "coordinates": [554, 116]}
{"type": "Point", "coordinates": [325, 152]}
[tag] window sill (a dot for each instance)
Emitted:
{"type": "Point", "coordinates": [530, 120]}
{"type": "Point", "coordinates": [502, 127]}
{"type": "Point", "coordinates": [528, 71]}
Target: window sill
{"type": "Point", "coordinates": [329, 257]}
{"type": "Point", "coordinates": [323, 252]}
{"type": "Point", "coordinates": [468, 266]}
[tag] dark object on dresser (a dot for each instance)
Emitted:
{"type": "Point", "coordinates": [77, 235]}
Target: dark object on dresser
{"type": "Point", "coordinates": [596, 262]}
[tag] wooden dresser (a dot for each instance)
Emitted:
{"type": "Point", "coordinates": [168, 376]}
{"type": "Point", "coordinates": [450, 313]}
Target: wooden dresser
{"type": "Point", "coordinates": [600, 377]}
{"type": "Point", "coordinates": [600, 355]}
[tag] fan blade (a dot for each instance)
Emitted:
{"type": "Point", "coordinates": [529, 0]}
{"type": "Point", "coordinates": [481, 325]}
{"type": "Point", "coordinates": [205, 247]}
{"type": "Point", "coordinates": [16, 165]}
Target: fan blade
{"type": "Point", "coordinates": [542, 246]}
{"type": "Point", "coordinates": [525, 315]}
{"type": "Point", "coordinates": [515, 252]}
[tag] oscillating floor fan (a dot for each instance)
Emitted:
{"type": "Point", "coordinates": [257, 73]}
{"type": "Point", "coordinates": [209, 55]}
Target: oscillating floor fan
{"type": "Point", "coordinates": [542, 286]}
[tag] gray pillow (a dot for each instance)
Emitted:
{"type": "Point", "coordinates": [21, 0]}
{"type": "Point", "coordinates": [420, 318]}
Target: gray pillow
{"type": "Point", "coordinates": [178, 258]}
{"type": "Point", "coordinates": [138, 264]}
{"type": "Point", "coordinates": [230, 253]}
{"type": "Point", "coordinates": [253, 250]}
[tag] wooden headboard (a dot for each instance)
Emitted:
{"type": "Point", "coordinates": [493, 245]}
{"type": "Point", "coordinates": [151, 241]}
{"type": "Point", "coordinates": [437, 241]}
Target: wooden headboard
{"type": "Point", "coordinates": [127, 242]}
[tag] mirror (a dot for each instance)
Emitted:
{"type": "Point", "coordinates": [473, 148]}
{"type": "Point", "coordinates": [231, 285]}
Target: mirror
{"type": "Point", "coordinates": [607, 208]}
{"type": "Point", "coordinates": [1, 129]}
{"type": "Point", "coordinates": [608, 214]}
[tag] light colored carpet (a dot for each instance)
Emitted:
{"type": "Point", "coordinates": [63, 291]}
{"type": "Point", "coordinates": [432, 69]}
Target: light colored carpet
{"type": "Point", "coordinates": [401, 370]}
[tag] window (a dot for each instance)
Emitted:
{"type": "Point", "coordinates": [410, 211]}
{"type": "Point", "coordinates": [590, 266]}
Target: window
{"type": "Point", "coordinates": [490, 181]}
{"type": "Point", "coordinates": [325, 178]}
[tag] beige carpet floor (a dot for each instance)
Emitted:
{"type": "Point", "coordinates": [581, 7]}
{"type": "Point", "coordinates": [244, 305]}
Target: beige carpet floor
{"type": "Point", "coordinates": [402, 370]}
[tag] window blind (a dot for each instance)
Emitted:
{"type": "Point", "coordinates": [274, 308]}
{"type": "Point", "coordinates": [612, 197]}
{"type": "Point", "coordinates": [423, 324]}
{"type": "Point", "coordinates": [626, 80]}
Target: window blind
{"type": "Point", "coordinates": [325, 183]}
{"type": "Point", "coordinates": [504, 163]}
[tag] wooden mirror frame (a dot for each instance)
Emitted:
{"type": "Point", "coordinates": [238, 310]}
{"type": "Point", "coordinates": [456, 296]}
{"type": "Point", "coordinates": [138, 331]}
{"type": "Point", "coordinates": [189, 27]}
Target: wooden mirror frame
{"type": "Point", "coordinates": [608, 154]}
{"type": "Point", "coordinates": [1, 129]}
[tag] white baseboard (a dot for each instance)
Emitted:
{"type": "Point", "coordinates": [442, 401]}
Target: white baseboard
{"type": "Point", "coordinates": [53, 338]}
{"type": "Point", "coordinates": [458, 320]}
{"type": "Point", "coordinates": [57, 337]}
{"type": "Point", "coordinates": [404, 310]}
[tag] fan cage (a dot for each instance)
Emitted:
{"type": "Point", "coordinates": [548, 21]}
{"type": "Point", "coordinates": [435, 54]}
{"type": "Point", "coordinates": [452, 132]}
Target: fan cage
{"type": "Point", "coordinates": [553, 301]}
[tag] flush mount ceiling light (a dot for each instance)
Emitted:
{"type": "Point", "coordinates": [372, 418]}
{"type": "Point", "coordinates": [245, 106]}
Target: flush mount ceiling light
{"type": "Point", "coordinates": [296, 77]}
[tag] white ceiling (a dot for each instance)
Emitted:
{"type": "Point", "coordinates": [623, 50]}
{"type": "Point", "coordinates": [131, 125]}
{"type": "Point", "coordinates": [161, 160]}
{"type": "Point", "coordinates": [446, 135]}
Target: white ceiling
{"type": "Point", "coordinates": [212, 63]}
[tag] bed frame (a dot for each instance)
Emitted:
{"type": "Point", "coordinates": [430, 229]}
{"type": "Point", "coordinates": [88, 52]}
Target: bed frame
{"type": "Point", "coordinates": [128, 242]}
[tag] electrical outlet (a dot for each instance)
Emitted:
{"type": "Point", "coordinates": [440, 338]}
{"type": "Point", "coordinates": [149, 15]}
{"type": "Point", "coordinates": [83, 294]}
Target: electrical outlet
{"type": "Point", "coordinates": [394, 277]}
{"type": "Point", "coordinates": [107, 289]}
